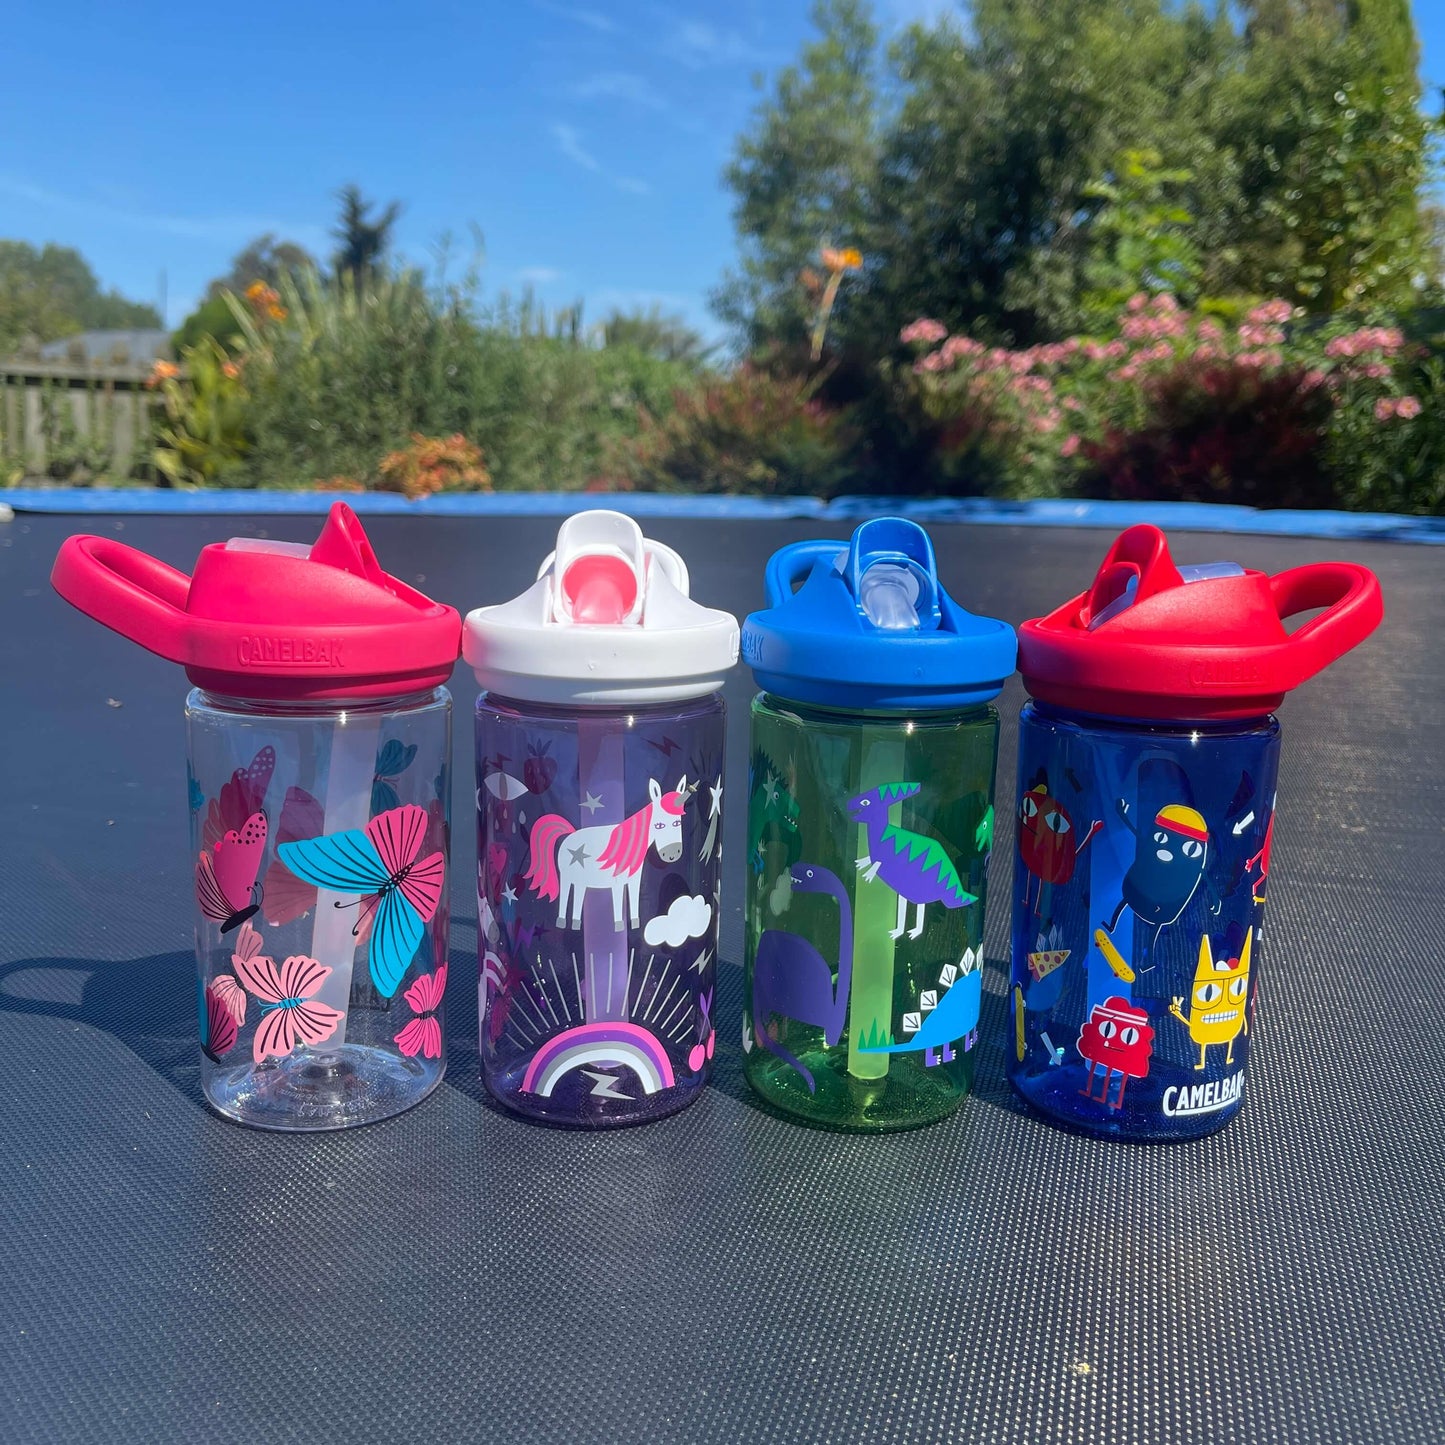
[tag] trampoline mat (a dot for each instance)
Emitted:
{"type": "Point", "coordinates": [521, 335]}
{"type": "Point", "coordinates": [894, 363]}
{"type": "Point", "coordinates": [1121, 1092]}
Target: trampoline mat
{"type": "Point", "coordinates": [721, 1275]}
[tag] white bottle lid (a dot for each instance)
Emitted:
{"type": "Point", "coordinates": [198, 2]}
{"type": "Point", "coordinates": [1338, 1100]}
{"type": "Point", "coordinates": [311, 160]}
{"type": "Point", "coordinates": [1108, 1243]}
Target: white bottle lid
{"type": "Point", "coordinates": [607, 622]}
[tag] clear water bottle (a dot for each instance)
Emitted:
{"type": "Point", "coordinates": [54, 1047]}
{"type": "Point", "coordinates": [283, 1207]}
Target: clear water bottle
{"type": "Point", "coordinates": [870, 820]}
{"type": "Point", "coordinates": [600, 752]}
{"type": "Point", "coordinates": [319, 737]}
{"type": "Point", "coordinates": [1147, 783]}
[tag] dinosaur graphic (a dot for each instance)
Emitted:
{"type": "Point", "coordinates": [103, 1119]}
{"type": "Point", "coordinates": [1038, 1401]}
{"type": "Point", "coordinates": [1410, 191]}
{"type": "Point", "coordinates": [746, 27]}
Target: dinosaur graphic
{"type": "Point", "coordinates": [950, 1018]}
{"type": "Point", "coordinates": [772, 811]}
{"type": "Point", "coordinates": [915, 866]}
{"type": "Point", "coordinates": [792, 980]}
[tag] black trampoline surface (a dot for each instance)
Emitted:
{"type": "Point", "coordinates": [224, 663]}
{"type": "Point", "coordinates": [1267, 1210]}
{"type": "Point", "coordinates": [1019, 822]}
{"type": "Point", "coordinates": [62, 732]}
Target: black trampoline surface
{"type": "Point", "coordinates": [456, 1274]}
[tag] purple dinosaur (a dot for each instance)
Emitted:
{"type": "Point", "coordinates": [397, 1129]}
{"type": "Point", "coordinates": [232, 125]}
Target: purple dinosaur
{"type": "Point", "coordinates": [913, 865]}
{"type": "Point", "coordinates": [793, 980]}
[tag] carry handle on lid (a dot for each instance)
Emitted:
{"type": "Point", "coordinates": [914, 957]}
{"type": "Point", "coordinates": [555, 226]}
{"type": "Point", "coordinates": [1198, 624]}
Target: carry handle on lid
{"type": "Point", "coordinates": [129, 591]}
{"type": "Point", "coordinates": [791, 565]}
{"type": "Point", "coordinates": [1350, 595]}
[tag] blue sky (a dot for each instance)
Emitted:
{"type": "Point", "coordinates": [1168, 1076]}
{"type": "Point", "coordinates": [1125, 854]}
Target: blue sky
{"type": "Point", "coordinates": [585, 139]}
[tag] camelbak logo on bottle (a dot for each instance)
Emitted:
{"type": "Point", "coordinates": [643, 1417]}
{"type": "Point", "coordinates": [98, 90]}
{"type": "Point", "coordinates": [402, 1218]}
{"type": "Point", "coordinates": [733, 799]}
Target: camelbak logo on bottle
{"type": "Point", "coordinates": [289, 652]}
{"type": "Point", "coordinates": [1203, 1098]}
{"type": "Point", "coordinates": [1223, 672]}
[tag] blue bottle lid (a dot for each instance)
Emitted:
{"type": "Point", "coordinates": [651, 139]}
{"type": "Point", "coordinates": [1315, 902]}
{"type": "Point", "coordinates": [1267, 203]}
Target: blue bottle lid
{"type": "Point", "coordinates": [871, 628]}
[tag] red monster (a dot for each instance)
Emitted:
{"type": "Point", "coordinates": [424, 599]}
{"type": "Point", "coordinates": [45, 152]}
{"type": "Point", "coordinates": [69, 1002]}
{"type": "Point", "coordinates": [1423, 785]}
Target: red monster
{"type": "Point", "coordinates": [1119, 1039]}
{"type": "Point", "coordinates": [1046, 842]}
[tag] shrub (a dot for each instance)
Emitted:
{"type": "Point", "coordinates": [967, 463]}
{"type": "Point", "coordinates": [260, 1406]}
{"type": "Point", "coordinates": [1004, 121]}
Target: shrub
{"type": "Point", "coordinates": [203, 438]}
{"type": "Point", "coordinates": [434, 464]}
{"type": "Point", "coordinates": [750, 431]}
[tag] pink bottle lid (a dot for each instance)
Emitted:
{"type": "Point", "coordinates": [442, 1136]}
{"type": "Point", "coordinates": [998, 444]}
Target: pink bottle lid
{"type": "Point", "coordinates": [271, 621]}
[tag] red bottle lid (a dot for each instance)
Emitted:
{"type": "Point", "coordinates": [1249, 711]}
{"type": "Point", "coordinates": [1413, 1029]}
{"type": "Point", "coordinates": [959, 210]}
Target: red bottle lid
{"type": "Point", "coordinates": [1152, 640]}
{"type": "Point", "coordinates": [271, 621]}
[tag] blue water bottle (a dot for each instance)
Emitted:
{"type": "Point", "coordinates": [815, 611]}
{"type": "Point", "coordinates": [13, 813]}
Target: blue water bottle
{"type": "Point", "coordinates": [1146, 805]}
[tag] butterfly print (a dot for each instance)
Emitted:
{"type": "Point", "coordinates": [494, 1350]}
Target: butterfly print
{"type": "Point", "coordinates": [290, 1014]}
{"type": "Point", "coordinates": [423, 1035]}
{"type": "Point", "coordinates": [399, 892]}
{"type": "Point", "coordinates": [244, 795]}
{"type": "Point", "coordinates": [226, 885]}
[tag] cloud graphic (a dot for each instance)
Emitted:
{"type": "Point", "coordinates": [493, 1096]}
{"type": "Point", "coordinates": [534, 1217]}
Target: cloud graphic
{"type": "Point", "coordinates": [688, 917]}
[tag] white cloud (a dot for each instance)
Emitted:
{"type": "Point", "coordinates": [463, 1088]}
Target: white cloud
{"type": "Point", "coordinates": [592, 19]}
{"type": "Point", "coordinates": [569, 142]}
{"type": "Point", "coordinates": [696, 44]}
{"type": "Point", "coordinates": [688, 917]}
{"type": "Point", "coordinates": [619, 85]}
{"type": "Point", "coordinates": [539, 275]}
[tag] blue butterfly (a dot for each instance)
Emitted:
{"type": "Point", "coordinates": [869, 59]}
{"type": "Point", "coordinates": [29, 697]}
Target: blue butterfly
{"type": "Point", "coordinates": [399, 892]}
{"type": "Point", "coordinates": [393, 760]}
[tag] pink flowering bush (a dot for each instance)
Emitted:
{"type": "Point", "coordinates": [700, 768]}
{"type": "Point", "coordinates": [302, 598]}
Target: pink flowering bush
{"type": "Point", "coordinates": [1175, 404]}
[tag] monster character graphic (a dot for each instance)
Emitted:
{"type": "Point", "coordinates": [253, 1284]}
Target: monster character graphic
{"type": "Point", "coordinates": [915, 866]}
{"type": "Point", "coordinates": [1119, 1039]}
{"type": "Point", "coordinates": [1168, 867]}
{"type": "Point", "coordinates": [1048, 843]}
{"type": "Point", "coordinates": [1260, 860]}
{"type": "Point", "coordinates": [1217, 1013]}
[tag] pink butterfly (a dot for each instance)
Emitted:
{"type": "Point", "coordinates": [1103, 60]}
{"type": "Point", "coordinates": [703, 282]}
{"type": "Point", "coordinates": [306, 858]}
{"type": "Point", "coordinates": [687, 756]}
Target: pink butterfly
{"type": "Point", "coordinates": [243, 795]}
{"type": "Point", "coordinates": [225, 1001]}
{"type": "Point", "coordinates": [423, 1035]}
{"type": "Point", "coordinates": [290, 1014]}
{"type": "Point", "coordinates": [226, 878]}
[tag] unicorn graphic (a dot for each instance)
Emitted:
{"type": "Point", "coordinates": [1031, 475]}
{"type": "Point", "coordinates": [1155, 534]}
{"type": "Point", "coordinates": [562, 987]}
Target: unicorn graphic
{"type": "Point", "coordinates": [565, 861]}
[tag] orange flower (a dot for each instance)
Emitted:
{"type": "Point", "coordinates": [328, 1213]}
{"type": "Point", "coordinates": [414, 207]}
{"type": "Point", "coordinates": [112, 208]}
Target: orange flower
{"type": "Point", "coordinates": [265, 300]}
{"type": "Point", "coordinates": [162, 371]}
{"type": "Point", "coordinates": [848, 259]}
{"type": "Point", "coordinates": [230, 369]}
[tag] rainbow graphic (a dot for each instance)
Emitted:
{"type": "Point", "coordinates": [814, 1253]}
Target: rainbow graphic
{"type": "Point", "coordinates": [605, 1043]}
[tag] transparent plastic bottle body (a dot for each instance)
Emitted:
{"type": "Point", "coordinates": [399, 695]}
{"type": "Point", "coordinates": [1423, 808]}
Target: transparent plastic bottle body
{"type": "Point", "coordinates": [599, 844]}
{"type": "Point", "coordinates": [1140, 882]}
{"type": "Point", "coordinates": [868, 841]}
{"type": "Point", "coordinates": [320, 1007]}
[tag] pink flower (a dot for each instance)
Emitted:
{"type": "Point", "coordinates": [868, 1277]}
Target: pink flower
{"type": "Point", "coordinates": [1138, 301]}
{"type": "Point", "coordinates": [1207, 353]}
{"type": "Point", "coordinates": [1072, 403]}
{"type": "Point", "coordinates": [1114, 350]}
{"type": "Point", "coordinates": [1271, 313]}
{"type": "Point", "coordinates": [1377, 370]}
{"type": "Point", "coordinates": [957, 346]}
{"type": "Point", "coordinates": [1070, 446]}
{"type": "Point", "coordinates": [1384, 408]}
{"type": "Point", "coordinates": [1256, 335]}
{"type": "Point", "coordinates": [1408, 407]}
{"type": "Point", "coordinates": [924, 330]}
{"type": "Point", "coordinates": [1095, 351]}
{"type": "Point", "coordinates": [1165, 303]}
{"type": "Point", "coordinates": [934, 361]}
{"type": "Point", "coordinates": [1313, 379]}
{"type": "Point", "coordinates": [1210, 329]}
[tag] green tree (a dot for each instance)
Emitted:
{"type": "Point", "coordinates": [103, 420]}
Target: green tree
{"type": "Point", "coordinates": [365, 240]}
{"type": "Point", "coordinates": [669, 338]}
{"type": "Point", "coordinates": [802, 175]}
{"type": "Point", "coordinates": [50, 292]}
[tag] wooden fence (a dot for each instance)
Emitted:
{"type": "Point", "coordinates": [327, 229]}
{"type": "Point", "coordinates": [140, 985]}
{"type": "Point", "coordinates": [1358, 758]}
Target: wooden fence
{"type": "Point", "coordinates": [72, 419]}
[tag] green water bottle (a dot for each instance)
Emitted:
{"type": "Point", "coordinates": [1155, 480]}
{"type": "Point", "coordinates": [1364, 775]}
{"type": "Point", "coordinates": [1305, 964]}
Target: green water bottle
{"type": "Point", "coordinates": [870, 818]}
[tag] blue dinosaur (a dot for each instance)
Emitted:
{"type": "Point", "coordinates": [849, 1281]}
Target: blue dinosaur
{"type": "Point", "coordinates": [955, 1017]}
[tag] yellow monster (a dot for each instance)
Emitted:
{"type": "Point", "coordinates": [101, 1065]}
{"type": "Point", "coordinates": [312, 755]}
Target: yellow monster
{"type": "Point", "coordinates": [1217, 1005]}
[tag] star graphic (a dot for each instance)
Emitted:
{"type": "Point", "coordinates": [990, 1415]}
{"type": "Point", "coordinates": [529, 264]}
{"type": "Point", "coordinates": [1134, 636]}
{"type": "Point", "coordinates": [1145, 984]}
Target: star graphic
{"type": "Point", "coordinates": [771, 794]}
{"type": "Point", "coordinates": [509, 894]}
{"type": "Point", "coordinates": [578, 854]}
{"type": "Point", "coordinates": [592, 802]}
{"type": "Point", "coordinates": [715, 792]}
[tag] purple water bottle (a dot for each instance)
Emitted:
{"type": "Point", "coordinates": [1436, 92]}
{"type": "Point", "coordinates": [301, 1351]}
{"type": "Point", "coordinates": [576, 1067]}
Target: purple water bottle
{"type": "Point", "coordinates": [600, 748]}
